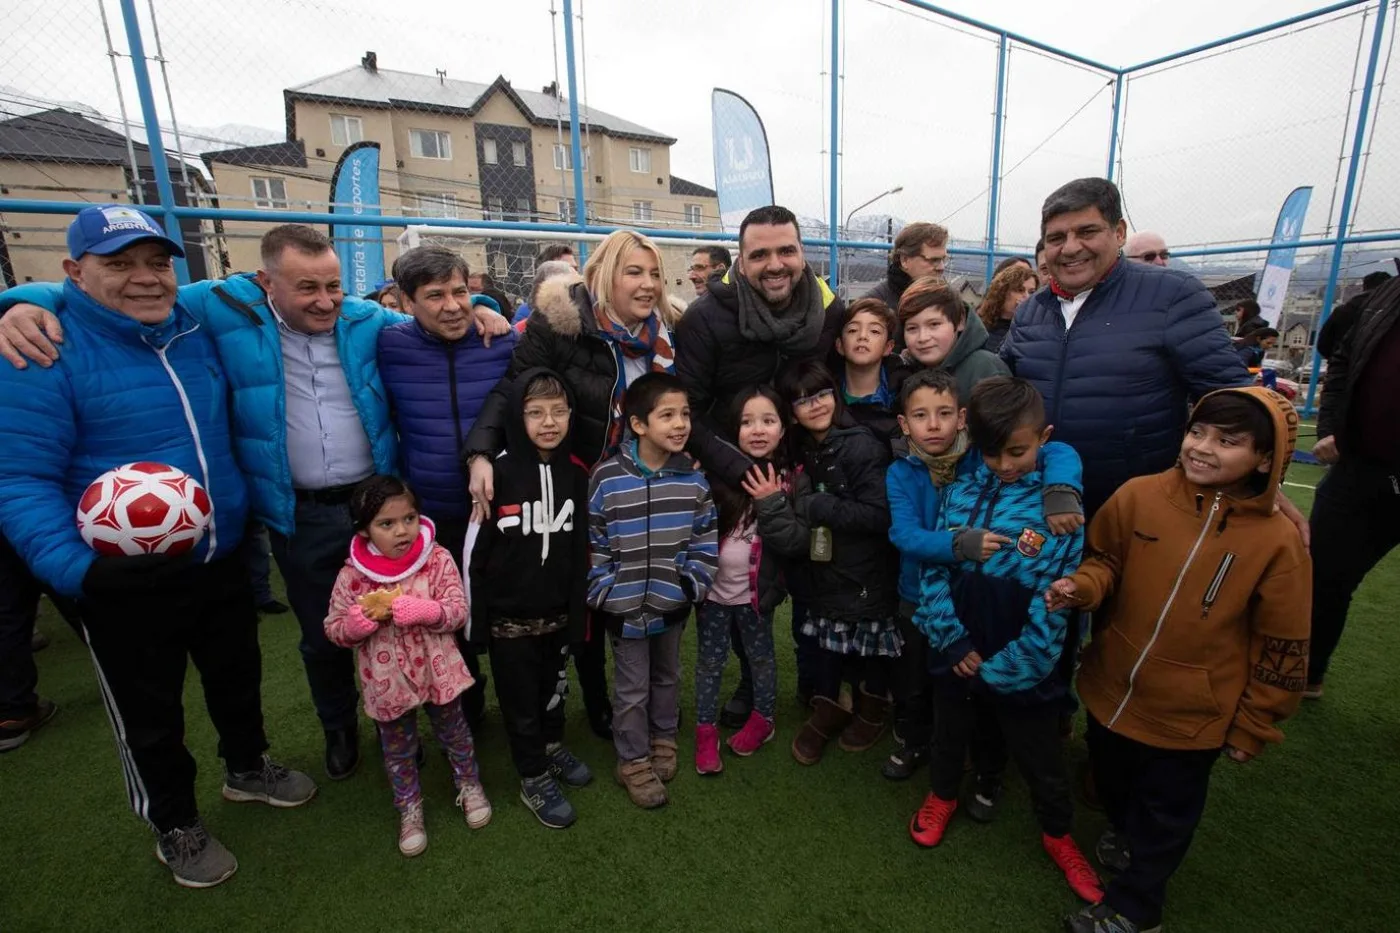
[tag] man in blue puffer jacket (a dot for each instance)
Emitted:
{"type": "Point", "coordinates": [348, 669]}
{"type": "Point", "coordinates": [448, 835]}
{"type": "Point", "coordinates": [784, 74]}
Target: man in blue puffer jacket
{"type": "Point", "coordinates": [140, 381]}
{"type": "Point", "coordinates": [1116, 348]}
{"type": "Point", "coordinates": [310, 420]}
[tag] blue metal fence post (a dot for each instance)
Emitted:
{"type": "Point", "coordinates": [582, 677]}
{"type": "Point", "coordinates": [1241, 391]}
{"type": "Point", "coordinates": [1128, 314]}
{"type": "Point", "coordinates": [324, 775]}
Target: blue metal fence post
{"type": "Point", "coordinates": [575, 142]}
{"type": "Point", "coordinates": [1344, 216]}
{"type": "Point", "coordinates": [994, 199]}
{"type": "Point", "coordinates": [1113, 126]}
{"type": "Point", "coordinates": [159, 166]}
{"type": "Point", "coordinates": [833, 274]}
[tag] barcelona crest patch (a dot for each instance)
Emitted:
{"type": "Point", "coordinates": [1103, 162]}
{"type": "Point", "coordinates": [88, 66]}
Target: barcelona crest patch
{"type": "Point", "coordinates": [1030, 542]}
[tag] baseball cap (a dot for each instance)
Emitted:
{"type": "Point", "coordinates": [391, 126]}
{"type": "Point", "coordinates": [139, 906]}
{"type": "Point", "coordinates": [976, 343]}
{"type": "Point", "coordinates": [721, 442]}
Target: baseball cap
{"type": "Point", "coordinates": [111, 228]}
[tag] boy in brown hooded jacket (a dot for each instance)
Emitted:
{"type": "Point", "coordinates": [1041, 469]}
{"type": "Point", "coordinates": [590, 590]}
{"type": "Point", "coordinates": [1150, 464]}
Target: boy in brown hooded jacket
{"type": "Point", "coordinates": [1200, 592]}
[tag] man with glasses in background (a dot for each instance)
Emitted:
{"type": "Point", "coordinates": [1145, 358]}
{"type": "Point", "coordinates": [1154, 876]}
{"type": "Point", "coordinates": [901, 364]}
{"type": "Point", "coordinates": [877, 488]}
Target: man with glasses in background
{"type": "Point", "coordinates": [1146, 246]}
{"type": "Point", "coordinates": [705, 262]}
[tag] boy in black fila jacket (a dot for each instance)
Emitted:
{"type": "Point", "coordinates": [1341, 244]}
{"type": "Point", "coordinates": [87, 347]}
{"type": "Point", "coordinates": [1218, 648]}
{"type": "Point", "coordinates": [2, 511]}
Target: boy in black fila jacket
{"type": "Point", "coordinates": [528, 573]}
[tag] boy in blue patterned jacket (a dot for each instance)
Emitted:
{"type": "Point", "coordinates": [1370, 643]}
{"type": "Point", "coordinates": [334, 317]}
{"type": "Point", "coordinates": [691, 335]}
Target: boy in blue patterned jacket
{"type": "Point", "coordinates": [652, 527]}
{"type": "Point", "coordinates": [995, 647]}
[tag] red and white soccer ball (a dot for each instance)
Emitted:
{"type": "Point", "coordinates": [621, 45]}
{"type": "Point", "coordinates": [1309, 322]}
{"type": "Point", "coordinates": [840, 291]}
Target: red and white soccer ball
{"type": "Point", "coordinates": [143, 508]}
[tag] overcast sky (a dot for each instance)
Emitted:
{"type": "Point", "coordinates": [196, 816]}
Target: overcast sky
{"type": "Point", "coordinates": [1210, 148]}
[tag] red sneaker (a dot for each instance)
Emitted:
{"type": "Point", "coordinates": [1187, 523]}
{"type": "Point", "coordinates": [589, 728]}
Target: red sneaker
{"type": "Point", "coordinates": [926, 826]}
{"type": "Point", "coordinates": [707, 760]}
{"type": "Point", "coordinates": [751, 738]}
{"type": "Point", "coordinates": [1078, 872]}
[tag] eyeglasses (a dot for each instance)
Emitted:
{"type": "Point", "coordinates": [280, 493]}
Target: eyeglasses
{"type": "Point", "coordinates": [1152, 254]}
{"type": "Point", "coordinates": [557, 413]}
{"type": "Point", "coordinates": [807, 401]}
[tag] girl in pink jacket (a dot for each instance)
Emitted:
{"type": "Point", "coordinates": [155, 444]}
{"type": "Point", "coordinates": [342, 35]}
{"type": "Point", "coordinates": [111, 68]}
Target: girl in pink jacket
{"type": "Point", "coordinates": [397, 602]}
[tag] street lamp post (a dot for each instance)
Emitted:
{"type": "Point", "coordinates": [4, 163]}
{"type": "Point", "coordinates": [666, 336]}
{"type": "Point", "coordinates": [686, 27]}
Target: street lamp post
{"type": "Point", "coordinates": [883, 194]}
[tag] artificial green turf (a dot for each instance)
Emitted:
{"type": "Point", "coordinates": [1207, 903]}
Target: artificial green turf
{"type": "Point", "coordinates": [1304, 839]}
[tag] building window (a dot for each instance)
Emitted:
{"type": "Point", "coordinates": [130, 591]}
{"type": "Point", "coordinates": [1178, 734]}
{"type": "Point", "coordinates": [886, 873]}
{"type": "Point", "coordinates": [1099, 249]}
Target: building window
{"type": "Point", "coordinates": [641, 211]}
{"type": "Point", "coordinates": [522, 209]}
{"type": "Point", "coordinates": [692, 215]}
{"type": "Point", "coordinates": [429, 144]}
{"type": "Point", "coordinates": [495, 209]}
{"type": "Point", "coordinates": [269, 192]}
{"type": "Point", "coordinates": [500, 267]}
{"type": "Point", "coordinates": [639, 160]}
{"type": "Point", "coordinates": [566, 212]}
{"type": "Point", "coordinates": [563, 157]}
{"type": "Point", "coordinates": [346, 130]}
{"type": "Point", "coordinates": [517, 154]}
{"type": "Point", "coordinates": [488, 151]}
{"type": "Point", "coordinates": [437, 204]}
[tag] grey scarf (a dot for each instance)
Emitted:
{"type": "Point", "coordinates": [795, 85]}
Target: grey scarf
{"type": "Point", "coordinates": [797, 331]}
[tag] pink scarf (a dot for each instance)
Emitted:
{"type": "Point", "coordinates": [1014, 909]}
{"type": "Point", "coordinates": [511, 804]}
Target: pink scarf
{"type": "Point", "coordinates": [368, 560]}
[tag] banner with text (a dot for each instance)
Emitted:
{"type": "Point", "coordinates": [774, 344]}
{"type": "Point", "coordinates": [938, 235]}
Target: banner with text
{"type": "Point", "coordinates": [743, 173]}
{"type": "Point", "coordinates": [1278, 268]}
{"type": "Point", "coordinates": [355, 193]}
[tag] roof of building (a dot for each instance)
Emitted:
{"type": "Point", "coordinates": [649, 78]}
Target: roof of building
{"type": "Point", "coordinates": [689, 189]}
{"type": "Point", "coordinates": [290, 154]}
{"type": "Point", "coordinates": [63, 136]}
{"type": "Point", "coordinates": [405, 90]}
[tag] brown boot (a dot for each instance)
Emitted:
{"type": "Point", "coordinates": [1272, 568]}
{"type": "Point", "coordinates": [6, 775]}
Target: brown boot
{"type": "Point", "coordinates": [642, 784]}
{"type": "Point", "coordinates": [663, 758]}
{"type": "Point", "coordinates": [828, 718]}
{"type": "Point", "coordinates": [865, 730]}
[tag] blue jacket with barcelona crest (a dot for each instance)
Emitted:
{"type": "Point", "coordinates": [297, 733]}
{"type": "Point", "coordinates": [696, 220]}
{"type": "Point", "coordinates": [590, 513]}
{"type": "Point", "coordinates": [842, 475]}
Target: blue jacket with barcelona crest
{"type": "Point", "coordinates": [997, 608]}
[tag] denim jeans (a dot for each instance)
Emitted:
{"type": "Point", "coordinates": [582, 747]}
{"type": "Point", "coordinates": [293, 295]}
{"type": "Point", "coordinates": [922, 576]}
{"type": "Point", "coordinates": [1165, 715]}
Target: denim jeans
{"type": "Point", "coordinates": [712, 625]}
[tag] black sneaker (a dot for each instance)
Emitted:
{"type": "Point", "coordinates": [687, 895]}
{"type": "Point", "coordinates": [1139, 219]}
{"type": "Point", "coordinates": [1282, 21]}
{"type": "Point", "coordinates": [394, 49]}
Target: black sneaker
{"type": "Point", "coordinates": [736, 712]}
{"type": "Point", "coordinates": [273, 607]}
{"type": "Point", "coordinates": [1112, 851]}
{"type": "Point", "coordinates": [904, 761]}
{"type": "Point", "coordinates": [982, 805]}
{"type": "Point", "coordinates": [195, 858]}
{"type": "Point", "coordinates": [542, 796]}
{"type": "Point", "coordinates": [1101, 918]}
{"type": "Point", "coordinates": [564, 766]}
{"type": "Point", "coordinates": [15, 732]}
{"type": "Point", "coordinates": [39, 641]}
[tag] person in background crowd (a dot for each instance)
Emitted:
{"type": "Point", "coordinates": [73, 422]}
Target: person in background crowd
{"type": "Point", "coordinates": [1041, 268]}
{"type": "Point", "coordinates": [1148, 247]}
{"type": "Point", "coordinates": [257, 555]}
{"type": "Point", "coordinates": [139, 380]}
{"type": "Point", "coordinates": [1253, 348]}
{"type": "Point", "coordinates": [22, 710]}
{"type": "Point", "coordinates": [1356, 512]}
{"type": "Point", "coordinates": [557, 252]}
{"type": "Point", "coordinates": [920, 249]}
{"type": "Point", "coordinates": [481, 283]}
{"type": "Point", "coordinates": [1010, 261]}
{"type": "Point", "coordinates": [387, 294]}
{"type": "Point", "coordinates": [600, 333]}
{"type": "Point", "coordinates": [1343, 317]}
{"type": "Point", "coordinates": [310, 419]}
{"type": "Point", "coordinates": [705, 262]}
{"type": "Point", "coordinates": [1248, 319]}
{"type": "Point", "coordinates": [1008, 290]}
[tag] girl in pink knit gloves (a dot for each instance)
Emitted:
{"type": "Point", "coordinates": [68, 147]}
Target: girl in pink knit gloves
{"type": "Point", "coordinates": [397, 602]}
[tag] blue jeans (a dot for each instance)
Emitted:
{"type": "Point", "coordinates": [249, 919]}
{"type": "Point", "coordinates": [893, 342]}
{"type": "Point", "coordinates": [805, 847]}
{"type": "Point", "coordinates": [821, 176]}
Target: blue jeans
{"type": "Point", "coordinates": [712, 625]}
{"type": "Point", "coordinates": [310, 561]}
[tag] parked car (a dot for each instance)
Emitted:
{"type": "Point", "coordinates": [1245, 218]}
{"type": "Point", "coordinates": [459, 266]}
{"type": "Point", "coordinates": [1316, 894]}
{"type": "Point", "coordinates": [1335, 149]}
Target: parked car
{"type": "Point", "coordinates": [1281, 366]}
{"type": "Point", "coordinates": [1304, 372]}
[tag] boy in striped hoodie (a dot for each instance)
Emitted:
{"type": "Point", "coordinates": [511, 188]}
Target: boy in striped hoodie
{"type": "Point", "coordinates": [652, 528]}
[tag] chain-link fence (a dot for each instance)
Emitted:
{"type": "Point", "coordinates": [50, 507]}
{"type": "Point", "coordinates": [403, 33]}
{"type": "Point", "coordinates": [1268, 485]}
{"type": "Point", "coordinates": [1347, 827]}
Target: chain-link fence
{"type": "Point", "coordinates": [539, 119]}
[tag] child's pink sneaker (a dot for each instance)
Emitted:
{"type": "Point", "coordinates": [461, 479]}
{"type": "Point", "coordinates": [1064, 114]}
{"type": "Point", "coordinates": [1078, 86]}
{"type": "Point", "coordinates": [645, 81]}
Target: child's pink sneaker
{"type": "Point", "coordinates": [756, 731]}
{"type": "Point", "coordinates": [707, 750]}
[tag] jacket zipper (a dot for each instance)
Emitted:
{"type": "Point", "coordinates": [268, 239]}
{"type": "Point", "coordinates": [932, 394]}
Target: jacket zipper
{"type": "Point", "coordinates": [1213, 591]}
{"type": "Point", "coordinates": [194, 433]}
{"type": "Point", "coordinates": [646, 589]}
{"type": "Point", "coordinates": [452, 390]}
{"type": "Point", "coordinates": [1166, 607]}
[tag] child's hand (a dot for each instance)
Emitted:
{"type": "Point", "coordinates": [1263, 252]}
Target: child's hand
{"type": "Point", "coordinates": [760, 485]}
{"type": "Point", "coordinates": [990, 545]}
{"type": "Point", "coordinates": [968, 666]}
{"type": "Point", "coordinates": [359, 625]}
{"type": "Point", "coordinates": [414, 610]}
{"type": "Point", "coordinates": [1062, 594]}
{"type": "Point", "coordinates": [1238, 755]}
{"type": "Point", "coordinates": [1065, 523]}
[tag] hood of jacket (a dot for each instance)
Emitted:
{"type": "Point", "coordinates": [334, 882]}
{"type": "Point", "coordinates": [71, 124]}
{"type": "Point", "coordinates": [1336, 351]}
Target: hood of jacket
{"type": "Point", "coordinates": [568, 307]}
{"type": "Point", "coordinates": [1285, 420]}
{"type": "Point", "coordinates": [518, 441]}
{"type": "Point", "coordinates": [972, 338]}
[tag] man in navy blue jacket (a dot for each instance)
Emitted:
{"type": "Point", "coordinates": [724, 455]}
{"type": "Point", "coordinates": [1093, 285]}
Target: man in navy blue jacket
{"type": "Point", "coordinates": [1116, 348]}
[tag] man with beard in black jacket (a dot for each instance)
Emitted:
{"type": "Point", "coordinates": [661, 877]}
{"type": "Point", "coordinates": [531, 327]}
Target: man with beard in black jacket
{"type": "Point", "coordinates": [769, 310]}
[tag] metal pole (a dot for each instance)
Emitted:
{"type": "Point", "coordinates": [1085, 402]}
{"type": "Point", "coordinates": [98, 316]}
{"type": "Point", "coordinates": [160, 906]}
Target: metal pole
{"type": "Point", "coordinates": [170, 103]}
{"type": "Point", "coordinates": [1113, 126]}
{"type": "Point", "coordinates": [834, 206]}
{"type": "Point", "coordinates": [159, 166]}
{"type": "Point", "coordinates": [575, 146]}
{"type": "Point", "coordinates": [1344, 217]}
{"type": "Point", "coordinates": [112, 54]}
{"type": "Point", "coordinates": [994, 199]}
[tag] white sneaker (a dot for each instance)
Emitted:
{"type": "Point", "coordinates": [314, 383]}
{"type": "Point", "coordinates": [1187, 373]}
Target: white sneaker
{"type": "Point", "coordinates": [477, 809]}
{"type": "Point", "coordinates": [413, 837]}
